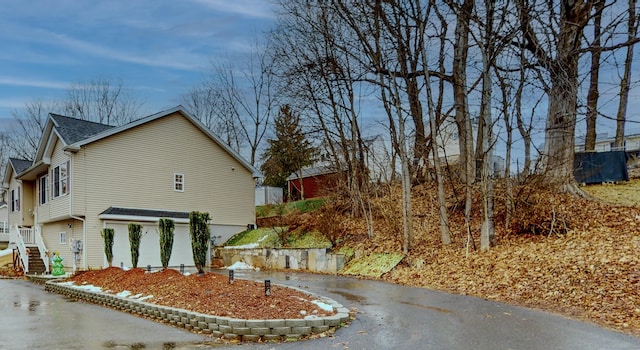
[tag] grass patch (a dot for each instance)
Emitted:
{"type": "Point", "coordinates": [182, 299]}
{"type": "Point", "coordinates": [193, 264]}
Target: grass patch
{"type": "Point", "coordinates": [310, 240]}
{"type": "Point", "coordinates": [374, 265]}
{"type": "Point", "coordinates": [348, 253]}
{"type": "Point", "coordinates": [264, 237]}
{"type": "Point", "coordinates": [269, 210]}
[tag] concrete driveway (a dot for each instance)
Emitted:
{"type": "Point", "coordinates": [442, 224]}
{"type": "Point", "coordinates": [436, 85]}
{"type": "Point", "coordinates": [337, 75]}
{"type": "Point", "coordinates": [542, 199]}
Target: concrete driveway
{"type": "Point", "coordinates": [388, 317]}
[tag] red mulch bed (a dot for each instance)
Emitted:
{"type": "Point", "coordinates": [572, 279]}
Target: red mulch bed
{"type": "Point", "coordinates": [210, 293]}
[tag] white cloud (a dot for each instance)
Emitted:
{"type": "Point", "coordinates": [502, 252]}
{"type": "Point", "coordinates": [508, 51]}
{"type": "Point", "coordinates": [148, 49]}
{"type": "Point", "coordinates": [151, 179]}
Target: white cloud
{"type": "Point", "coordinates": [249, 8]}
{"type": "Point", "coordinates": [47, 84]}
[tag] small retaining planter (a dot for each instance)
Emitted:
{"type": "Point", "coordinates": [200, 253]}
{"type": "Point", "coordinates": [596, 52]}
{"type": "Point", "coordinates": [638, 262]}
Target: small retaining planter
{"type": "Point", "coordinates": [216, 326]}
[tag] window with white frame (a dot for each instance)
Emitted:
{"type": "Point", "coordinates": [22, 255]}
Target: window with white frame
{"type": "Point", "coordinates": [60, 181]}
{"type": "Point", "coordinates": [178, 182]}
{"type": "Point", "coordinates": [43, 189]}
{"type": "Point", "coordinates": [15, 199]}
{"type": "Point", "coordinates": [63, 237]}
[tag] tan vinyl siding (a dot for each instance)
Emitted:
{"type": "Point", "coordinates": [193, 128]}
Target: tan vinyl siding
{"type": "Point", "coordinates": [15, 217]}
{"type": "Point", "coordinates": [136, 168]}
{"type": "Point", "coordinates": [43, 210]}
{"type": "Point", "coordinates": [51, 236]}
{"type": "Point", "coordinates": [58, 207]}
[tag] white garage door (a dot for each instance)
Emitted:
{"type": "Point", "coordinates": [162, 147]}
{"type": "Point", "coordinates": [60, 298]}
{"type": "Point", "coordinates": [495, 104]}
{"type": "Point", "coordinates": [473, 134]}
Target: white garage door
{"type": "Point", "coordinates": [150, 246]}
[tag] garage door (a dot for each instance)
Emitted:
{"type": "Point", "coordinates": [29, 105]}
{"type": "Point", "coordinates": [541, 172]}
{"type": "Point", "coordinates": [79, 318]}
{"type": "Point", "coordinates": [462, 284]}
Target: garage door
{"type": "Point", "coordinates": [150, 246]}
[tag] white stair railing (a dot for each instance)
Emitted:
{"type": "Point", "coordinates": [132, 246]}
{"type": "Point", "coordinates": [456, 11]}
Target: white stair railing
{"type": "Point", "coordinates": [27, 235]}
{"type": "Point", "coordinates": [16, 238]}
{"type": "Point", "coordinates": [41, 247]}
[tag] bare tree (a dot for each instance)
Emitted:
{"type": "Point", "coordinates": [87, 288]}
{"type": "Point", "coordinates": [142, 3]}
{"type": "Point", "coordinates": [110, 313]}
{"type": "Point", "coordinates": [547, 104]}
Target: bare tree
{"type": "Point", "coordinates": [25, 138]}
{"type": "Point", "coordinates": [592, 96]}
{"type": "Point", "coordinates": [101, 100]}
{"type": "Point", "coordinates": [98, 101]}
{"type": "Point", "coordinates": [625, 83]}
{"type": "Point", "coordinates": [207, 105]}
{"type": "Point", "coordinates": [558, 54]}
{"type": "Point", "coordinates": [246, 92]}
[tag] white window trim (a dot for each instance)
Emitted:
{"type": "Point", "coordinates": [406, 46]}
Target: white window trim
{"type": "Point", "coordinates": [58, 184]}
{"type": "Point", "coordinates": [44, 189]}
{"type": "Point", "coordinates": [63, 237]}
{"type": "Point", "coordinates": [15, 200]}
{"type": "Point", "coordinates": [176, 182]}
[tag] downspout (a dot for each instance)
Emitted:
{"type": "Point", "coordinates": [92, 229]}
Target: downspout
{"type": "Point", "coordinates": [84, 222]}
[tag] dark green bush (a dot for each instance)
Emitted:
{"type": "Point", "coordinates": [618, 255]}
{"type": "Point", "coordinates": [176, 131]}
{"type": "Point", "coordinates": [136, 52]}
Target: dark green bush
{"type": "Point", "coordinates": [135, 234]}
{"type": "Point", "coordinates": [166, 227]}
{"type": "Point", "coordinates": [200, 235]}
{"type": "Point", "coordinates": [107, 235]}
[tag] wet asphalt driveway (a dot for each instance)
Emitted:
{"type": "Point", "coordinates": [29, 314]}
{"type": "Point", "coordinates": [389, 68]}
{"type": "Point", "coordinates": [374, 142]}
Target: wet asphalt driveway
{"type": "Point", "coordinates": [388, 317]}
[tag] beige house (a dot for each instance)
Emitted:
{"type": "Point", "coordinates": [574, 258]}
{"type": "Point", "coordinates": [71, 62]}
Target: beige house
{"type": "Point", "coordinates": [88, 176]}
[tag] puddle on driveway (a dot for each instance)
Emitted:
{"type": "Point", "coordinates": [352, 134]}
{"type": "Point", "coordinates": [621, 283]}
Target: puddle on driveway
{"type": "Point", "coordinates": [348, 296]}
{"type": "Point", "coordinates": [434, 308]}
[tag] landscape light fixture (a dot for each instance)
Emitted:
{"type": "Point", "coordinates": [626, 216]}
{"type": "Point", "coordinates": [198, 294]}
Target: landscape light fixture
{"type": "Point", "coordinates": [267, 287]}
{"type": "Point", "coordinates": [230, 276]}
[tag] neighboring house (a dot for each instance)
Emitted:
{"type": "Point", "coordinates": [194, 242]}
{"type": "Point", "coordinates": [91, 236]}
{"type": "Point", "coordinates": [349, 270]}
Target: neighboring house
{"type": "Point", "coordinates": [314, 182]}
{"type": "Point", "coordinates": [605, 143]}
{"type": "Point", "coordinates": [88, 176]}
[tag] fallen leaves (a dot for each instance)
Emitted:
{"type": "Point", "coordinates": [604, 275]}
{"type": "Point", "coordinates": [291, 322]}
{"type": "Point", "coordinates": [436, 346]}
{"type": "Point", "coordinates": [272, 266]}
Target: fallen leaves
{"type": "Point", "coordinates": [210, 293]}
{"type": "Point", "coordinates": [587, 268]}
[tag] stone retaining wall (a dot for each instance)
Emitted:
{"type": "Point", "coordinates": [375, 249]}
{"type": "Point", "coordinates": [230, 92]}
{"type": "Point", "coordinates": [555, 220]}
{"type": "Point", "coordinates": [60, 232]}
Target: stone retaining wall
{"type": "Point", "coordinates": [314, 260]}
{"type": "Point", "coordinates": [218, 326]}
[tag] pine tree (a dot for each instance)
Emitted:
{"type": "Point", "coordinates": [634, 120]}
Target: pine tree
{"type": "Point", "coordinates": [289, 152]}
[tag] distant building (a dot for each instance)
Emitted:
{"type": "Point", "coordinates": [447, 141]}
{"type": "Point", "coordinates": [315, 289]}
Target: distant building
{"type": "Point", "coordinates": [311, 183]}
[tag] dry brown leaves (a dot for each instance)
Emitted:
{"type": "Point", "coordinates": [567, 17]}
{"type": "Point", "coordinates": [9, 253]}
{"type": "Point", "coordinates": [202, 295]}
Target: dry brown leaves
{"type": "Point", "coordinates": [210, 293]}
{"type": "Point", "coordinates": [591, 272]}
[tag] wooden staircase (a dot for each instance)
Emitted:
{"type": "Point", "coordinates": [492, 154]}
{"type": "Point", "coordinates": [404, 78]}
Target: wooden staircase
{"type": "Point", "coordinates": [36, 265]}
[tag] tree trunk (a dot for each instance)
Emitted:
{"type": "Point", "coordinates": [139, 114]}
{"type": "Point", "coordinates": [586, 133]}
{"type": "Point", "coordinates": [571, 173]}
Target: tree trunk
{"type": "Point", "coordinates": [487, 234]}
{"type": "Point", "coordinates": [626, 78]}
{"type": "Point", "coordinates": [459, 71]}
{"type": "Point", "coordinates": [593, 94]}
{"type": "Point", "coordinates": [445, 234]}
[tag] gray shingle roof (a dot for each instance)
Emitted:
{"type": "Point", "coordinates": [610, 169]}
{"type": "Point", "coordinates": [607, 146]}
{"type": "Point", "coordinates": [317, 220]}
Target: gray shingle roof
{"type": "Point", "coordinates": [146, 213]}
{"type": "Point", "coordinates": [73, 130]}
{"type": "Point", "coordinates": [20, 165]}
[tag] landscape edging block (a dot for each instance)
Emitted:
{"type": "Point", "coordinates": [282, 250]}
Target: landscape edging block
{"type": "Point", "coordinates": [217, 326]}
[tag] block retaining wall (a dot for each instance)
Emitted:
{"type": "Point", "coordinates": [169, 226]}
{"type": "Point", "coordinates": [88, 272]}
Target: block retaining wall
{"type": "Point", "coordinates": [217, 326]}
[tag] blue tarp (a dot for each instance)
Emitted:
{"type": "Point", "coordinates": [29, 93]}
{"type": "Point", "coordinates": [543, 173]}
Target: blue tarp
{"type": "Point", "coordinates": [598, 167]}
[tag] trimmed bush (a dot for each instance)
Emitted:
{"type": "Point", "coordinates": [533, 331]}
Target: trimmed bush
{"type": "Point", "coordinates": [107, 235]}
{"type": "Point", "coordinates": [135, 234]}
{"type": "Point", "coordinates": [166, 227]}
{"type": "Point", "coordinates": [200, 235]}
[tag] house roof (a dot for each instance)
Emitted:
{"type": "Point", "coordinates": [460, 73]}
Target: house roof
{"type": "Point", "coordinates": [145, 212]}
{"type": "Point", "coordinates": [178, 109]}
{"type": "Point", "coordinates": [75, 133]}
{"type": "Point", "coordinates": [20, 165]}
{"type": "Point", "coordinates": [309, 172]}
{"type": "Point", "coordinates": [72, 130]}
{"type": "Point", "coordinates": [142, 215]}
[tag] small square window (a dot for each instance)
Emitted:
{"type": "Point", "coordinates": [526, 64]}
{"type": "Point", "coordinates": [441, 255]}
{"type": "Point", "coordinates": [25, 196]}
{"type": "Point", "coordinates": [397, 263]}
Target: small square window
{"type": "Point", "coordinates": [178, 182]}
{"type": "Point", "coordinates": [63, 238]}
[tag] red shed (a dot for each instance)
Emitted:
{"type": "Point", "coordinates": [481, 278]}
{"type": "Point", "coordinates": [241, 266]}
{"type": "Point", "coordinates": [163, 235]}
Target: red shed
{"type": "Point", "coordinates": [315, 183]}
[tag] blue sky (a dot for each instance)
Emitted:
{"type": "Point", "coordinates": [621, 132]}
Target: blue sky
{"type": "Point", "coordinates": [160, 48]}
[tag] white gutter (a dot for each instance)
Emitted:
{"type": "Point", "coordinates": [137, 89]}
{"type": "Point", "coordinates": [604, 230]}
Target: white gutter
{"type": "Point", "coordinates": [84, 222]}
